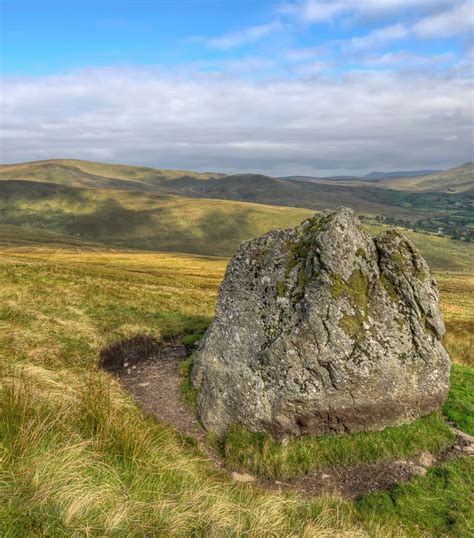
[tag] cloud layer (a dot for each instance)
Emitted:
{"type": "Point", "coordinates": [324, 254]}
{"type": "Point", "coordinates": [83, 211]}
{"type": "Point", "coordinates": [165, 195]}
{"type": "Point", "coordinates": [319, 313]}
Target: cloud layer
{"type": "Point", "coordinates": [371, 93]}
{"type": "Point", "coordinates": [308, 125]}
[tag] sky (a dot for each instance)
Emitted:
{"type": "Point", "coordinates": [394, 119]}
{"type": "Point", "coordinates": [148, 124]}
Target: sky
{"type": "Point", "coordinates": [307, 87]}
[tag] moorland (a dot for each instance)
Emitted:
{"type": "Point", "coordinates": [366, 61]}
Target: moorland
{"type": "Point", "coordinates": [94, 254]}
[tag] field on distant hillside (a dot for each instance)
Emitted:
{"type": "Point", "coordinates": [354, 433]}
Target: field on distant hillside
{"type": "Point", "coordinates": [78, 456]}
{"type": "Point", "coordinates": [459, 179]}
{"type": "Point", "coordinates": [140, 220]}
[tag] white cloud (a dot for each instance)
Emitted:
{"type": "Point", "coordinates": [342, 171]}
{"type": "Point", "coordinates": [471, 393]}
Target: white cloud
{"type": "Point", "coordinates": [309, 11]}
{"type": "Point", "coordinates": [242, 37]}
{"type": "Point", "coordinates": [407, 59]}
{"type": "Point", "coordinates": [316, 11]}
{"type": "Point", "coordinates": [379, 37]}
{"type": "Point", "coordinates": [457, 20]}
{"type": "Point", "coordinates": [197, 121]}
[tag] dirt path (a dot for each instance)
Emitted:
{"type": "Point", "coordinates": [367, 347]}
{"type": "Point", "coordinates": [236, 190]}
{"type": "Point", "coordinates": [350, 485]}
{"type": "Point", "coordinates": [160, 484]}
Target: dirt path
{"type": "Point", "coordinates": [155, 384]}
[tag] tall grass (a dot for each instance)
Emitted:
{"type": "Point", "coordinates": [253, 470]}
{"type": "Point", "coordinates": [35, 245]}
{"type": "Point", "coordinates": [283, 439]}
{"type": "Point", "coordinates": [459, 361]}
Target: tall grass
{"type": "Point", "coordinates": [78, 458]}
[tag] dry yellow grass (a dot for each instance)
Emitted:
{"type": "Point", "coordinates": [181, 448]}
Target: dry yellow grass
{"type": "Point", "coordinates": [457, 299]}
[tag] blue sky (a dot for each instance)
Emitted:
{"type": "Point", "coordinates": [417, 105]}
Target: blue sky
{"type": "Point", "coordinates": [295, 86]}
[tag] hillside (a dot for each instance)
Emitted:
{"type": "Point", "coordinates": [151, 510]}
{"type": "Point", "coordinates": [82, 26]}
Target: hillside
{"type": "Point", "coordinates": [151, 209]}
{"type": "Point", "coordinates": [373, 197]}
{"type": "Point", "coordinates": [140, 220]}
{"type": "Point", "coordinates": [79, 456]}
{"type": "Point", "coordinates": [77, 173]}
{"type": "Point", "coordinates": [45, 213]}
{"type": "Point", "coordinates": [371, 176]}
{"type": "Point", "coordinates": [456, 180]}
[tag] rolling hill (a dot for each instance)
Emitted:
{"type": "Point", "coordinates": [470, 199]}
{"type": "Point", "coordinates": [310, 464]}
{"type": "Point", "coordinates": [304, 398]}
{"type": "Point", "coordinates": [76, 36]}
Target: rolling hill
{"type": "Point", "coordinates": [406, 198]}
{"type": "Point", "coordinates": [77, 173]}
{"type": "Point", "coordinates": [152, 209]}
{"type": "Point", "coordinates": [141, 220]}
{"type": "Point", "coordinates": [372, 176]}
{"type": "Point", "coordinates": [456, 180]}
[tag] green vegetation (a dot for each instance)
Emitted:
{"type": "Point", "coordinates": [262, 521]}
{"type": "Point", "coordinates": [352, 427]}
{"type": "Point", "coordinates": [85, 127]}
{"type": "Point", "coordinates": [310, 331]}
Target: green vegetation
{"type": "Point", "coordinates": [188, 391]}
{"type": "Point", "coordinates": [457, 300]}
{"type": "Point", "coordinates": [260, 454]}
{"type": "Point", "coordinates": [459, 179]}
{"type": "Point", "coordinates": [452, 201]}
{"type": "Point", "coordinates": [460, 404]}
{"type": "Point", "coordinates": [78, 456]}
{"type": "Point", "coordinates": [438, 504]}
{"type": "Point", "coordinates": [441, 253]}
{"type": "Point", "coordinates": [179, 211]}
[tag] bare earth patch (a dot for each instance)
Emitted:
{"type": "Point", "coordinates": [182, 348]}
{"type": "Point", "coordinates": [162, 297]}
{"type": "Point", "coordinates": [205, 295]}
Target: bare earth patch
{"type": "Point", "coordinates": [154, 381]}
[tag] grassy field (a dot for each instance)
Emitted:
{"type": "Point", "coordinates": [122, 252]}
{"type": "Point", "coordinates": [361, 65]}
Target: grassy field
{"type": "Point", "coordinates": [79, 458]}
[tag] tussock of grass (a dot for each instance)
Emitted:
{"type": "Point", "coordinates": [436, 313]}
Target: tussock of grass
{"type": "Point", "coordinates": [457, 300]}
{"type": "Point", "coordinates": [459, 406]}
{"type": "Point", "coordinates": [78, 457]}
{"type": "Point", "coordinates": [260, 454]}
{"type": "Point", "coordinates": [190, 340]}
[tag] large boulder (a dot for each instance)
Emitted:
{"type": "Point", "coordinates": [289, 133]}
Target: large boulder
{"type": "Point", "coordinates": [323, 329]}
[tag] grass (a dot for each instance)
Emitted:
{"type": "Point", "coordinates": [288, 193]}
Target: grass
{"type": "Point", "coordinates": [76, 173]}
{"type": "Point", "coordinates": [78, 458]}
{"type": "Point", "coordinates": [438, 504]}
{"type": "Point", "coordinates": [38, 212]}
{"type": "Point", "coordinates": [187, 390]}
{"type": "Point", "coordinates": [459, 407]}
{"type": "Point", "coordinates": [366, 197]}
{"type": "Point", "coordinates": [261, 455]}
{"type": "Point", "coordinates": [457, 300]}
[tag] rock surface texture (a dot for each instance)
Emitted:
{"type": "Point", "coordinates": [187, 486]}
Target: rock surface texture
{"type": "Point", "coordinates": [323, 329]}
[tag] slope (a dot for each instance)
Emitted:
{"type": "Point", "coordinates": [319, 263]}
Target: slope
{"type": "Point", "coordinates": [140, 220]}
{"type": "Point", "coordinates": [77, 173]}
{"type": "Point", "coordinates": [455, 180]}
{"type": "Point", "coordinates": [364, 196]}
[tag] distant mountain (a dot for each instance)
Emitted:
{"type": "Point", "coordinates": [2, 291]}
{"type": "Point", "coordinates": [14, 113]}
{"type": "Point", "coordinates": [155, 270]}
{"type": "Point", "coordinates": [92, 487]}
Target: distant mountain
{"type": "Point", "coordinates": [373, 176]}
{"type": "Point", "coordinates": [412, 173]}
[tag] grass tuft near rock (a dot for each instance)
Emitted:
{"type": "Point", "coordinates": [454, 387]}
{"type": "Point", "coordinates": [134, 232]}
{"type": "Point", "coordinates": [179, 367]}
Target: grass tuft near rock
{"type": "Point", "coordinates": [259, 454]}
{"type": "Point", "coordinates": [459, 406]}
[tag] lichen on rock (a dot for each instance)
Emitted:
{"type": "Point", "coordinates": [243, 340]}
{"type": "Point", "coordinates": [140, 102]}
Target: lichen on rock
{"type": "Point", "coordinates": [323, 329]}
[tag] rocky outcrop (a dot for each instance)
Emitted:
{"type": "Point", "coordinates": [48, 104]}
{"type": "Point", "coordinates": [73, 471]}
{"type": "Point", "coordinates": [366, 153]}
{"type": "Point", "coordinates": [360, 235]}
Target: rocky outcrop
{"type": "Point", "coordinates": [323, 329]}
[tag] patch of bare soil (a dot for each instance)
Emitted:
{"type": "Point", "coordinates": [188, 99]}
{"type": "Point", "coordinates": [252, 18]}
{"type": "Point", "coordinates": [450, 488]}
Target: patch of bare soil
{"type": "Point", "coordinates": [148, 369]}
